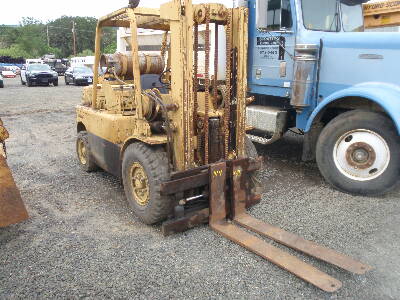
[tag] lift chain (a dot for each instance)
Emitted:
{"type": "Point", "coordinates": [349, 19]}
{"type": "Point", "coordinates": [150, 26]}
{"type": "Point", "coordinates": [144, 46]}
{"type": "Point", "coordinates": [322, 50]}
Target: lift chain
{"type": "Point", "coordinates": [207, 84]}
{"type": "Point", "coordinates": [227, 104]}
{"type": "Point", "coordinates": [196, 128]}
{"type": "Point", "coordinates": [215, 81]}
{"type": "Point", "coordinates": [195, 79]}
{"type": "Point", "coordinates": [164, 45]}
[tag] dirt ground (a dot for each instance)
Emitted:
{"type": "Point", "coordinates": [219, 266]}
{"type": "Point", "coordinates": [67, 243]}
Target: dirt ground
{"type": "Point", "coordinates": [82, 240]}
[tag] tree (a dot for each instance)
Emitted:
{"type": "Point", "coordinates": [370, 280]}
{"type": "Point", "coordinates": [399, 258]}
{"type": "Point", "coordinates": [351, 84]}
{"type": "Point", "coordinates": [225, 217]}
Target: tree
{"type": "Point", "coordinates": [15, 52]}
{"type": "Point", "coordinates": [110, 48]}
{"type": "Point", "coordinates": [33, 39]}
{"type": "Point", "coordinates": [61, 36]}
{"type": "Point", "coordinates": [86, 52]}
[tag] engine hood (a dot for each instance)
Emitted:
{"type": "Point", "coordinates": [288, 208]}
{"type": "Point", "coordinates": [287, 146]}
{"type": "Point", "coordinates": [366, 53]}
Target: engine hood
{"type": "Point", "coordinates": [365, 40]}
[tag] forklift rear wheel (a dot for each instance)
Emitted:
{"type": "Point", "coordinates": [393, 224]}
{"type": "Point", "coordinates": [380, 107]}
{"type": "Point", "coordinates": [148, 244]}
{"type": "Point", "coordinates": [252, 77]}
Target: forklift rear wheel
{"type": "Point", "coordinates": [255, 176]}
{"type": "Point", "coordinates": [85, 158]}
{"type": "Point", "coordinates": [358, 152]}
{"type": "Point", "coordinates": [144, 168]}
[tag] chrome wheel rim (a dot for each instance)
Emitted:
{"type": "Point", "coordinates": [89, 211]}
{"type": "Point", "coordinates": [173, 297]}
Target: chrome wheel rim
{"type": "Point", "coordinates": [140, 184]}
{"type": "Point", "coordinates": [361, 155]}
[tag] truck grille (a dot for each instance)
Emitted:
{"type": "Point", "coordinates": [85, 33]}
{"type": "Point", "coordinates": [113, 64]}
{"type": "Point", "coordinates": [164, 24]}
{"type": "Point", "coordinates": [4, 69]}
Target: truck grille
{"type": "Point", "coordinates": [43, 76]}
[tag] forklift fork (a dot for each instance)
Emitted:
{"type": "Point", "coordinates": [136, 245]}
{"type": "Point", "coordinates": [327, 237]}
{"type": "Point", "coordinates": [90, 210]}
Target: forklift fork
{"type": "Point", "coordinates": [221, 209]}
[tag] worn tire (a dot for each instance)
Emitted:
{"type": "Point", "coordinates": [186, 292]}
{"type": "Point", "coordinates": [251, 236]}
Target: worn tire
{"type": "Point", "coordinates": [255, 176]}
{"type": "Point", "coordinates": [369, 128]}
{"type": "Point", "coordinates": [155, 165]}
{"type": "Point", "coordinates": [88, 164]}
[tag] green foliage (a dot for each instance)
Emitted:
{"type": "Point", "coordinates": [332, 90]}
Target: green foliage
{"type": "Point", "coordinates": [110, 48]}
{"type": "Point", "coordinates": [33, 39]}
{"type": "Point", "coordinates": [14, 51]}
{"type": "Point", "coordinates": [61, 35]}
{"type": "Point", "coordinates": [86, 52]}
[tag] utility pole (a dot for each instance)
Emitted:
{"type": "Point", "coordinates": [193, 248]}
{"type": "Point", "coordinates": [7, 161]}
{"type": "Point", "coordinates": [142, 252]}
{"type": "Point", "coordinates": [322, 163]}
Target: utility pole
{"type": "Point", "coordinates": [48, 38]}
{"type": "Point", "coordinates": [74, 37]}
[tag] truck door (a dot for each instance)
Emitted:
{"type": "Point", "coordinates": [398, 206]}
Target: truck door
{"type": "Point", "coordinates": [272, 41]}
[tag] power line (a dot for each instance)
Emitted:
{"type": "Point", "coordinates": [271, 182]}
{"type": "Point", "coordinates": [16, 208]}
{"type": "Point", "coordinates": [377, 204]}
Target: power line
{"type": "Point", "coordinates": [81, 30]}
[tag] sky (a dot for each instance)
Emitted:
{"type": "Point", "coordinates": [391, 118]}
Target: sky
{"type": "Point", "coordinates": [12, 11]}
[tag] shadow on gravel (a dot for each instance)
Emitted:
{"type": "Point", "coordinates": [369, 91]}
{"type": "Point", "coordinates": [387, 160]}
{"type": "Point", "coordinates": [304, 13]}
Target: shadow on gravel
{"type": "Point", "coordinates": [12, 233]}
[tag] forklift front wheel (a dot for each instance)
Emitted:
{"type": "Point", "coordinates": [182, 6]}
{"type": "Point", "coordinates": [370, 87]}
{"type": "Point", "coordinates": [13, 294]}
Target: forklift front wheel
{"type": "Point", "coordinates": [85, 158]}
{"type": "Point", "coordinates": [144, 168]}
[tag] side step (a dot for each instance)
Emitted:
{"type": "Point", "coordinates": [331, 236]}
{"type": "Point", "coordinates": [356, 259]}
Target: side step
{"type": "Point", "coordinates": [219, 209]}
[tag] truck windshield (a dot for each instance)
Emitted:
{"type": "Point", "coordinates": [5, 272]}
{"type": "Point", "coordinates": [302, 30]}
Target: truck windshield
{"type": "Point", "coordinates": [85, 70]}
{"type": "Point", "coordinates": [323, 15]}
{"type": "Point", "coordinates": [352, 15]}
{"type": "Point", "coordinates": [320, 15]}
{"type": "Point", "coordinates": [39, 67]}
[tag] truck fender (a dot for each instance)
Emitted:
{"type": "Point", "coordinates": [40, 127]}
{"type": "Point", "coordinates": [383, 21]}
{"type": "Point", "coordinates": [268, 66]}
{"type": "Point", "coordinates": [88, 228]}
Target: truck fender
{"type": "Point", "coordinates": [385, 95]}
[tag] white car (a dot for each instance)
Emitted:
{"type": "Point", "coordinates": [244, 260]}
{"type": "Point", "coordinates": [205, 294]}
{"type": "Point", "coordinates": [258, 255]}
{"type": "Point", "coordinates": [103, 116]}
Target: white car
{"type": "Point", "coordinates": [8, 74]}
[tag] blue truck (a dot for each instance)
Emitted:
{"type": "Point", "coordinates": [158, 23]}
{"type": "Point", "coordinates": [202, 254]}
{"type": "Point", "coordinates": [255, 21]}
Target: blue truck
{"type": "Point", "coordinates": [312, 67]}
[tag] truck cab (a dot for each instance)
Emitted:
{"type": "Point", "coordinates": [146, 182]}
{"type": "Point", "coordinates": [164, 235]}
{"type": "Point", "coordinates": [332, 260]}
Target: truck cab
{"type": "Point", "coordinates": [314, 68]}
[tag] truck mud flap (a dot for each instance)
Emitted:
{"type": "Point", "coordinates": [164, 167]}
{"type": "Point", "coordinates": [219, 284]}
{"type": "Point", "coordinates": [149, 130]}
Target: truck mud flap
{"type": "Point", "coordinates": [12, 209]}
{"type": "Point", "coordinates": [219, 211]}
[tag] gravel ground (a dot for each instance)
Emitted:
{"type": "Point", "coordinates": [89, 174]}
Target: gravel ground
{"type": "Point", "coordinates": [82, 241]}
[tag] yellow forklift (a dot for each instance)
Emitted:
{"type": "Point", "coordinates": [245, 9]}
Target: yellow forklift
{"type": "Point", "coordinates": [180, 148]}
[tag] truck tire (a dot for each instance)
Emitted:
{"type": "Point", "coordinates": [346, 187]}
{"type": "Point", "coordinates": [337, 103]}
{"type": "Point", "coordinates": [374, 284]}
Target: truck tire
{"type": "Point", "coordinates": [144, 168]}
{"type": "Point", "coordinates": [255, 176]}
{"type": "Point", "coordinates": [85, 158]}
{"type": "Point", "coordinates": [358, 152]}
